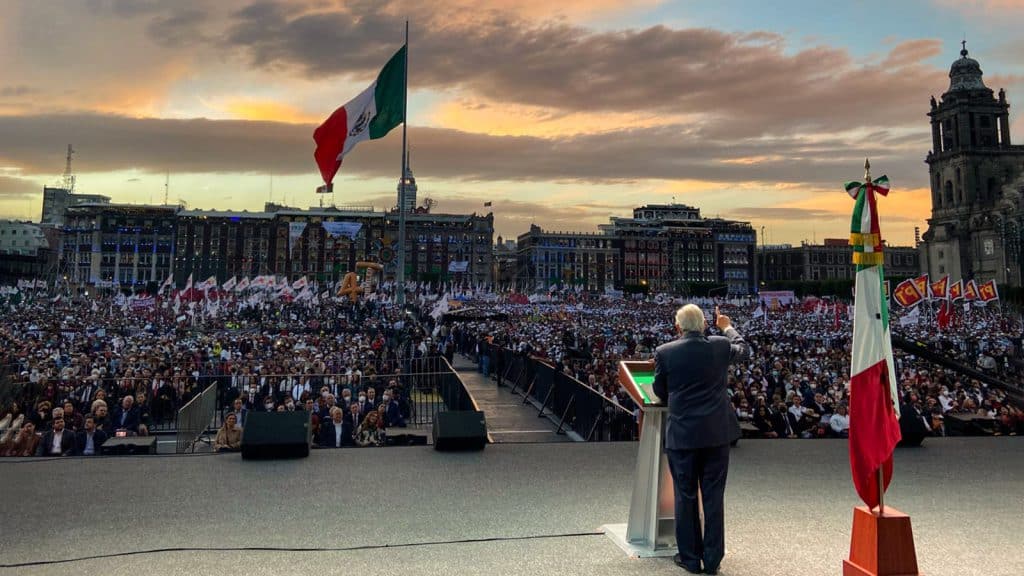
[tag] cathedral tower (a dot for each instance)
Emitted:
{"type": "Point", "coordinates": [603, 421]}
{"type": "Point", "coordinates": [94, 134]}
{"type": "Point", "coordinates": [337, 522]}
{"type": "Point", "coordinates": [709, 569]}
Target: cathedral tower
{"type": "Point", "coordinates": [976, 182]}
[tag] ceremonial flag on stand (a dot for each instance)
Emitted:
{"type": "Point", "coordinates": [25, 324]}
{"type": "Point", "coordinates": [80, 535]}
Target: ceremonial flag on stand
{"type": "Point", "coordinates": [988, 292]}
{"type": "Point", "coordinates": [956, 291]}
{"type": "Point", "coordinates": [971, 290]}
{"type": "Point", "coordinates": [874, 410]}
{"type": "Point", "coordinates": [368, 116]}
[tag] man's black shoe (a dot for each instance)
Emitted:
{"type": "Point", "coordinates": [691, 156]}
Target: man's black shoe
{"type": "Point", "coordinates": [679, 562]}
{"type": "Point", "coordinates": [711, 571]}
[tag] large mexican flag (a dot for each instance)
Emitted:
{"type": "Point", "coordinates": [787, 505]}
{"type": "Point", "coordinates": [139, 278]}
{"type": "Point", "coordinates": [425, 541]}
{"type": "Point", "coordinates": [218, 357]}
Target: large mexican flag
{"type": "Point", "coordinates": [874, 406]}
{"type": "Point", "coordinates": [368, 116]}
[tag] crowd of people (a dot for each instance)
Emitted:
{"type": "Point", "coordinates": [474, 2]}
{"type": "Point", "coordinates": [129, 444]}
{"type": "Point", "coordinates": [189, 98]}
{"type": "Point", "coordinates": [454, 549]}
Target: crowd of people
{"type": "Point", "coordinates": [85, 370]}
{"type": "Point", "coordinates": [796, 385]}
{"type": "Point", "coordinates": [77, 371]}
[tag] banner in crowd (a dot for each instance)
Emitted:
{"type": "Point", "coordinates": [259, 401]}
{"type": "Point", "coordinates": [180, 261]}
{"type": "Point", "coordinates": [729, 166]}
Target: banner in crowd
{"type": "Point", "coordinates": [939, 288]}
{"type": "Point", "coordinates": [971, 290]}
{"type": "Point", "coordinates": [921, 283]}
{"type": "Point", "coordinates": [230, 284]}
{"type": "Point", "coordinates": [142, 303]}
{"type": "Point", "coordinates": [347, 229]}
{"type": "Point", "coordinates": [294, 233]}
{"type": "Point", "coordinates": [456, 266]}
{"type": "Point", "coordinates": [776, 298]}
{"type": "Point", "coordinates": [242, 284]}
{"type": "Point", "coordinates": [956, 291]}
{"type": "Point", "coordinates": [907, 294]}
{"type": "Point", "coordinates": [988, 291]}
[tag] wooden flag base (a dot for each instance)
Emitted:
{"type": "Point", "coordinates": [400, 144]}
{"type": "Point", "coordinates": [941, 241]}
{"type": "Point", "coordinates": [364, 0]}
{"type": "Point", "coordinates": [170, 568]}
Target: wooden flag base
{"type": "Point", "coordinates": [881, 545]}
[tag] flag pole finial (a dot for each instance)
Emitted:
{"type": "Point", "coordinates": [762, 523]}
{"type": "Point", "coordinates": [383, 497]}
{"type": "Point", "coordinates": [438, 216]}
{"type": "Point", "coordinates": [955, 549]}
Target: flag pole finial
{"type": "Point", "coordinates": [867, 170]}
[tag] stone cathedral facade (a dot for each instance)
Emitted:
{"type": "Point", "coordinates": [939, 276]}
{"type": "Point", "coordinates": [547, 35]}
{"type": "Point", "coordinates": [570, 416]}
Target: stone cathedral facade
{"type": "Point", "coordinates": [976, 229]}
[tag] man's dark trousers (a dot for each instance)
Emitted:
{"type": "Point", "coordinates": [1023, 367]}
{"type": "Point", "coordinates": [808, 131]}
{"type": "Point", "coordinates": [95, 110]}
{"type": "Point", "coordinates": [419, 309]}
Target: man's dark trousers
{"type": "Point", "coordinates": [706, 467]}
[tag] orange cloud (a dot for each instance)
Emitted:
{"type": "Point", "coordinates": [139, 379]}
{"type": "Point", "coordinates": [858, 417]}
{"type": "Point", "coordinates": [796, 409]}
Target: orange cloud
{"type": "Point", "coordinates": [507, 119]}
{"type": "Point", "coordinates": [252, 109]}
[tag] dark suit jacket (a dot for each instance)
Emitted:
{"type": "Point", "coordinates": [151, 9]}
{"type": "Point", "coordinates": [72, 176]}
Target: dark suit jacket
{"type": "Point", "coordinates": [691, 374]}
{"type": "Point", "coordinates": [98, 438]}
{"type": "Point", "coordinates": [131, 421]}
{"type": "Point", "coordinates": [328, 437]}
{"type": "Point", "coordinates": [67, 443]}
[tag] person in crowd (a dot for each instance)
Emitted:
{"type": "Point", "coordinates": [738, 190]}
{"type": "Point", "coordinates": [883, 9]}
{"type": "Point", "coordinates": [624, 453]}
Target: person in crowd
{"type": "Point", "coordinates": [24, 443]}
{"type": "Point", "coordinates": [839, 423]}
{"type": "Point", "coordinates": [103, 420]}
{"type": "Point", "coordinates": [229, 437]}
{"type": "Point", "coordinates": [90, 438]}
{"type": "Point", "coordinates": [127, 416]}
{"type": "Point", "coordinates": [239, 410]}
{"type": "Point", "coordinates": [336, 432]}
{"type": "Point", "coordinates": [72, 419]}
{"type": "Point", "coordinates": [763, 422]}
{"type": "Point", "coordinates": [57, 441]}
{"type": "Point", "coordinates": [369, 432]}
{"type": "Point", "coordinates": [393, 410]}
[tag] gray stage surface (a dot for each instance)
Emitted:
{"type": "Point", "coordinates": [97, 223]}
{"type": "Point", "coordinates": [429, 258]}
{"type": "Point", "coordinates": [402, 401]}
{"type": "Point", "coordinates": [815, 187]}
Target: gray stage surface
{"type": "Point", "coordinates": [788, 504]}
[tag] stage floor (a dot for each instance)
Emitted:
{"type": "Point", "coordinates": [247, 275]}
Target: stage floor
{"type": "Point", "coordinates": [403, 511]}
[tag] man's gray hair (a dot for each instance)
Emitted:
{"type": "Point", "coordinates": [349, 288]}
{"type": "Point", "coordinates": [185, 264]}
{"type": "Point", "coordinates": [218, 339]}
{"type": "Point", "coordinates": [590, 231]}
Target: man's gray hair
{"type": "Point", "coordinates": [690, 318]}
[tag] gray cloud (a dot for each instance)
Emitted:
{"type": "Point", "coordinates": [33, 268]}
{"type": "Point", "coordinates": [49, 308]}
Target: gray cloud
{"type": "Point", "coordinates": [746, 84]}
{"type": "Point", "coordinates": [665, 153]}
{"type": "Point", "coordinates": [14, 188]}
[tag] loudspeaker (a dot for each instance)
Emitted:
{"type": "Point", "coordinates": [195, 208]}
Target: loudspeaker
{"type": "Point", "coordinates": [276, 435]}
{"type": "Point", "coordinates": [460, 430]}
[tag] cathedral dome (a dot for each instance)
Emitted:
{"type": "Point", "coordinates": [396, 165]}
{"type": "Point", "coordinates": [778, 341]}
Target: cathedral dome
{"type": "Point", "coordinates": [965, 73]}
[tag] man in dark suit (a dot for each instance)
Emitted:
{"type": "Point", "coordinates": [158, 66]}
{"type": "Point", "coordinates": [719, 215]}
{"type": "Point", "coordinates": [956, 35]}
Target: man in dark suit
{"type": "Point", "coordinates": [90, 438]}
{"type": "Point", "coordinates": [336, 432]}
{"type": "Point", "coordinates": [58, 441]}
{"type": "Point", "coordinates": [690, 373]}
{"type": "Point", "coordinates": [127, 416]}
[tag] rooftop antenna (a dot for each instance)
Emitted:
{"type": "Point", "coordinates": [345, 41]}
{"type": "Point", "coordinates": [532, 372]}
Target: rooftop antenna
{"type": "Point", "coordinates": [271, 200]}
{"type": "Point", "coordinates": [69, 178]}
{"type": "Point", "coordinates": [167, 185]}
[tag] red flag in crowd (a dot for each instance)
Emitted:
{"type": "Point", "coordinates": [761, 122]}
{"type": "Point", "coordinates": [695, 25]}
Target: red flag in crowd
{"type": "Point", "coordinates": [907, 294]}
{"type": "Point", "coordinates": [971, 290]}
{"type": "Point", "coordinates": [940, 288]}
{"type": "Point", "coordinates": [988, 291]}
{"type": "Point", "coordinates": [956, 291]}
{"type": "Point", "coordinates": [921, 283]}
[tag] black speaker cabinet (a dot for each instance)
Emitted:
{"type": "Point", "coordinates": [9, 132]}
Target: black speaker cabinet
{"type": "Point", "coordinates": [460, 430]}
{"type": "Point", "coordinates": [276, 435]}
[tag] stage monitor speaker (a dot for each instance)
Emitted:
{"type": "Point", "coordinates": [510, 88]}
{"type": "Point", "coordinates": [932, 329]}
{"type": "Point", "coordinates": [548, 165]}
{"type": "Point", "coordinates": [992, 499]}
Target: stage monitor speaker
{"type": "Point", "coordinates": [276, 435]}
{"type": "Point", "coordinates": [129, 445]}
{"type": "Point", "coordinates": [460, 430]}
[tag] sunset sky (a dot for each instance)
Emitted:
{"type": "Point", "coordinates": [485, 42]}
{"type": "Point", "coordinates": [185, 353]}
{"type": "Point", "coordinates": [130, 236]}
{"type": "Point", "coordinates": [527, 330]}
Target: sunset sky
{"type": "Point", "coordinates": [561, 112]}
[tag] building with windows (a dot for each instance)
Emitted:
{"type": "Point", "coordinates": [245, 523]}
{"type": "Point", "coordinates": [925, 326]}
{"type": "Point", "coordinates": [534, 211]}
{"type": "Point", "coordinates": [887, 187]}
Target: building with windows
{"type": "Point", "coordinates": [976, 229]}
{"type": "Point", "coordinates": [25, 251]}
{"type": "Point", "coordinates": [671, 248]}
{"type": "Point", "coordinates": [282, 241]}
{"type": "Point", "coordinates": [548, 259]}
{"type": "Point", "coordinates": [123, 243]}
{"type": "Point", "coordinates": [446, 247]}
{"type": "Point", "coordinates": [831, 260]}
{"type": "Point", "coordinates": [57, 200]}
{"type": "Point", "coordinates": [506, 263]}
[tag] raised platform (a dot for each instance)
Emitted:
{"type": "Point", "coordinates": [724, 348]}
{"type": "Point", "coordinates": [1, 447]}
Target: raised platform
{"type": "Point", "coordinates": [510, 509]}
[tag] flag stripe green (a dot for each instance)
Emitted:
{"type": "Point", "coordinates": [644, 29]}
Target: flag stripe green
{"type": "Point", "coordinates": [389, 96]}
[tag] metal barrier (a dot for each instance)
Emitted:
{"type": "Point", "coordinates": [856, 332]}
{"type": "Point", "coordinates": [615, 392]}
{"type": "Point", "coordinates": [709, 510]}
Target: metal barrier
{"type": "Point", "coordinates": [576, 406]}
{"type": "Point", "coordinates": [195, 419]}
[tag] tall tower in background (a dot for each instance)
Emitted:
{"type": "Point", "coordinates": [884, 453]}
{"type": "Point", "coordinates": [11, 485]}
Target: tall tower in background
{"type": "Point", "coordinates": [410, 186]}
{"type": "Point", "coordinates": [975, 230]}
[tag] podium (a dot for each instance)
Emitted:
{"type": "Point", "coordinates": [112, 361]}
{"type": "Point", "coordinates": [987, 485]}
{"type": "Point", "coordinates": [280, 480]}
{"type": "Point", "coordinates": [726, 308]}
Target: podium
{"type": "Point", "coordinates": [650, 530]}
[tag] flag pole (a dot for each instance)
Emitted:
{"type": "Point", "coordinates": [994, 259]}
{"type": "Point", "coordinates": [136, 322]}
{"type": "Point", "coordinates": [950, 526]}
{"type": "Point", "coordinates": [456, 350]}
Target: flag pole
{"type": "Point", "coordinates": [400, 273]}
